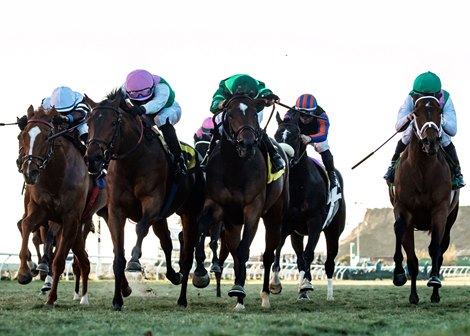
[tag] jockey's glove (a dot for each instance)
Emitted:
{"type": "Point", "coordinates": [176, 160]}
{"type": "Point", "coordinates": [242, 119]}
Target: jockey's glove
{"type": "Point", "coordinates": [270, 98]}
{"type": "Point", "coordinates": [22, 122]}
{"type": "Point", "coordinates": [136, 110]}
{"type": "Point", "coordinates": [60, 119]}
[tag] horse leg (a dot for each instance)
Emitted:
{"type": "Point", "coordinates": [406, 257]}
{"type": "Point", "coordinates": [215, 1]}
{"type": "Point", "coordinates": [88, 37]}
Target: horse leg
{"type": "Point", "coordinates": [82, 269]}
{"type": "Point", "coordinates": [272, 222]}
{"type": "Point", "coordinates": [190, 231]}
{"type": "Point", "coordinates": [399, 276]}
{"type": "Point", "coordinates": [142, 230]}
{"type": "Point", "coordinates": [70, 228]}
{"type": "Point", "coordinates": [162, 232]}
{"type": "Point", "coordinates": [232, 241]}
{"type": "Point", "coordinates": [309, 254]}
{"type": "Point", "coordinates": [48, 238]}
{"type": "Point", "coordinates": [76, 275]}
{"type": "Point", "coordinates": [224, 252]}
{"type": "Point", "coordinates": [36, 242]}
{"type": "Point", "coordinates": [116, 224]}
{"type": "Point", "coordinates": [331, 253]}
{"type": "Point", "coordinates": [275, 286]}
{"type": "Point", "coordinates": [412, 262]}
{"type": "Point", "coordinates": [205, 222]}
{"type": "Point", "coordinates": [27, 225]}
{"type": "Point", "coordinates": [215, 236]}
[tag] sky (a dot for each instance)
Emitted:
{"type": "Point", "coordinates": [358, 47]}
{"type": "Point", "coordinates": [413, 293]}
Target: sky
{"type": "Point", "coordinates": [359, 58]}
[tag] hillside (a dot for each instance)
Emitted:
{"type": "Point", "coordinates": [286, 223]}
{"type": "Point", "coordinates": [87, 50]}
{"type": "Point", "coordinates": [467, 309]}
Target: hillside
{"type": "Point", "coordinates": [377, 238]}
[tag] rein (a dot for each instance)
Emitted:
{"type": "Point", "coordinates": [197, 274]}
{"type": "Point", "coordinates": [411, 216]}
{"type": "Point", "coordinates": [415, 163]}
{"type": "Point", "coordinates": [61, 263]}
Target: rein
{"type": "Point", "coordinates": [108, 147]}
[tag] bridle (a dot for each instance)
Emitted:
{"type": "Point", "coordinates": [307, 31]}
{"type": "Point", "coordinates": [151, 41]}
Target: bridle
{"type": "Point", "coordinates": [429, 124]}
{"type": "Point", "coordinates": [39, 161]}
{"type": "Point", "coordinates": [107, 148]}
{"type": "Point", "coordinates": [234, 136]}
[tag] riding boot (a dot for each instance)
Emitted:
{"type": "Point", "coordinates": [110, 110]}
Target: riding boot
{"type": "Point", "coordinates": [390, 174]}
{"type": "Point", "coordinates": [276, 160]}
{"type": "Point", "coordinates": [327, 159]}
{"type": "Point", "coordinates": [457, 180]}
{"type": "Point", "coordinates": [171, 139]}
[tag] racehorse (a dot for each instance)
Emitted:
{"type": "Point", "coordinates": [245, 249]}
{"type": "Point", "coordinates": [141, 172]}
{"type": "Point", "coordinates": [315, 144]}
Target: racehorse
{"type": "Point", "coordinates": [238, 194]}
{"type": "Point", "coordinates": [57, 189]}
{"type": "Point", "coordinates": [423, 198]}
{"type": "Point", "coordinates": [312, 209]}
{"type": "Point", "coordinates": [142, 187]}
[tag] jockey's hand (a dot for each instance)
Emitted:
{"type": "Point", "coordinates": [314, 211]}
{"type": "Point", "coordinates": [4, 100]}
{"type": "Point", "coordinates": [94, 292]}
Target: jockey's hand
{"type": "Point", "coordinates": [60, 120]}
{"type": "Point", "coordinates": [221, 105]}
{"type": "Point", "coordinates": [22, 122]}
{"type": "Point", "coordinates": [305, 139]}
{"type": "Point", "coordinates": [271, 98]}
{"type": "Point", "coordinates": [410, 116]}
{"type": "Point", "coordinates": [137, 110]}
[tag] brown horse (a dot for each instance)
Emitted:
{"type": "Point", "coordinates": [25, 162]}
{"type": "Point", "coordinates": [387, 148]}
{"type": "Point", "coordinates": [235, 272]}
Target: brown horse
{"type": "Point", "coordinates": [57, 189]}
{"type": "Point", "coordinates": [423, 198]}
{"type": "Point", "coordinates": [238, 195]}
{"type": "Point", "coordinates": [141, 187]}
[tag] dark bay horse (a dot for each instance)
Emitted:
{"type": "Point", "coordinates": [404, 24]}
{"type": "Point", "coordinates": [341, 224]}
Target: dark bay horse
{"type": "Point", "coordinates": [423, 198]}
{"type": "Point", "coordinates": [57, 189]}
{"type": "Point", "coordinates": [238, 195]}
{"type": "Point", "coordinates": [312, 209]}
{"type": "Point", "coordinates": [141, 187]}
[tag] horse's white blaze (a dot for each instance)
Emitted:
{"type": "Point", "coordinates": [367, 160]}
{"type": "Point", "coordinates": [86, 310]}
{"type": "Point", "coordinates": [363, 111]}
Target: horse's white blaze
{"type": "Point", "coordinates": [239, 307]}
{"type": "Point", "coordinates": [285, 133]}
{"type": "Point", "coordinates": [264, 300]}
{"type": "Point", "coordinates": [33, 133]}
{"type": "Point", "coordinates": [329, 291]}
{"type": "Point", "coordinates": [243, 108]}
{"type": "Point", "coordinates": [84, 300]}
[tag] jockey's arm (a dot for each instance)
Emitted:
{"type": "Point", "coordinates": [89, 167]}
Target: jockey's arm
{"type": "Point", "coordinates": [449, 118]}
{"type": "Point", "coordinates": [160, 98]}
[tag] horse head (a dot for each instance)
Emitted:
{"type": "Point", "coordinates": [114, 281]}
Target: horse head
{"type": "Point", "coordinates": [35, 145]}
{"type": "Point", "coordinates": [427, 123]}
{"type": "Point", "coordinates": [240, 124]}
{"type": "Point", "coordinates": [104, 127]}
{"type": "Point", "coordinates": [288, 136]}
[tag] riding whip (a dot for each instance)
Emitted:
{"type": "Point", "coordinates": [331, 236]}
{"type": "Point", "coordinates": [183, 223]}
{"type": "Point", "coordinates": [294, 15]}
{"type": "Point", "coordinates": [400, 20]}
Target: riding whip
{"type": "Point", "coordinates": [368, 156]}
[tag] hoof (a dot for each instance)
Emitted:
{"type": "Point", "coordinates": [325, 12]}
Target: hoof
{"type": "Point", "coordinates": [25, 278]}
{"type": "Point", "coordinates": [275, 288]}
{"type": "Point", "coordinates": [175, 278]}
{"type": "Point", "coordinates": [237, 291]}
{"type": "Point", "coordinates": [306, 285]}
{"type": "Point", "coordinates": [126, 292]}
{"type": "Point", "coordinates": [434, 281]}
{"type": "Point", "coordinates": [182, 303]}
{"type": "Point", "coordinates": [133, 266]}
{"type": "Point", "coordinates": [117, 307]}
{"type": "Point", "coordinates": [215, 268]}
{"type": "Point", "coordinates": [42, 267]}
{"type": "Point", "coordinates": [435, 298]}
{"type": "Point", "coordinates": [303, 296]}
{"type": "Point", "coordinates": [399, 279]}
{"type": "Point", "coordinates": [201, 281]}
{"type": "Point", "coordinates": [46, 287]}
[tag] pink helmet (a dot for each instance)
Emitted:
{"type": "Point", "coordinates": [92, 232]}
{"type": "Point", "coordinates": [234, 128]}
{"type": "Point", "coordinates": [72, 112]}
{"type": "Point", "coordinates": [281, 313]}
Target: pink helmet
{"type": "Point", "coordinates": [140, 84]}
{"type": "Point", "coordinates": [207, 125]}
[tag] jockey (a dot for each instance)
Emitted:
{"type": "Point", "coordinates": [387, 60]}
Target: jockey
{"type": "Point", "coordinates": [428, 84]}
{"type": "Point", "coordinates": [153, 96]}
{"type": "Point", "coordinates": [314, 131]}
{"type": "Point", "coordinates": [205, 131]}
{"type": "Point", "coordinates": [247, 85]}
{"type": "Point", "coordinates": [72, 108]}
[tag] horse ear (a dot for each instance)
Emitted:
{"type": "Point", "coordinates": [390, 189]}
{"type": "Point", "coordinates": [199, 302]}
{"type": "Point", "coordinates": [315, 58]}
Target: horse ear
{"type": "Point", "coordinates": [89, 101]}
{"type": "Point", "coordinates": [30, 111]}
{"type": "Point", "coordinates": [278, 118]}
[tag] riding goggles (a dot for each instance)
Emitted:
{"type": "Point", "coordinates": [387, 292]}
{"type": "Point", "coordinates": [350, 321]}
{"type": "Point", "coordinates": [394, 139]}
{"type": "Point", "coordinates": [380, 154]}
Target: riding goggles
{"type": "Point", "coordinates": [141, 94]}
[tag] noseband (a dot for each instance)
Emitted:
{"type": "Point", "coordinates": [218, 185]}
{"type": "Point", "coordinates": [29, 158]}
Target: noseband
{"type": "Point", "coordinates": [40, 161]}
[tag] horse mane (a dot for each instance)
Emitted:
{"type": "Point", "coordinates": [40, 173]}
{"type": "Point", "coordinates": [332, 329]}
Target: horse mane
{"type": "Point", "coordinates": [115, 97]}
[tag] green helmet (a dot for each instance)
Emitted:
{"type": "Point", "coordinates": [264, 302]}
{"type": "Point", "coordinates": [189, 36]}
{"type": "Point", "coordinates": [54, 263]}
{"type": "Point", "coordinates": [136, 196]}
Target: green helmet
{"type": "Point", "coordinates": [427, 82]}
{"type": "Point", "coordinates": [245, 84]}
